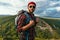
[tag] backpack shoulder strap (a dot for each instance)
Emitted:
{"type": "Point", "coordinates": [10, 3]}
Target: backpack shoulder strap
{"type": "Point", "coordinates": [27, 15]}
{"type": "Point", "coordinates": [28, 18]}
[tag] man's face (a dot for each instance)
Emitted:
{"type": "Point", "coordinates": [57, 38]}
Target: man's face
{"type": "Point", "coordinates": [31, 8]}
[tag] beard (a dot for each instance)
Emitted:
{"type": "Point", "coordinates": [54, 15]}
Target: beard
{"type": "Point", "coordinates": [31, 11]}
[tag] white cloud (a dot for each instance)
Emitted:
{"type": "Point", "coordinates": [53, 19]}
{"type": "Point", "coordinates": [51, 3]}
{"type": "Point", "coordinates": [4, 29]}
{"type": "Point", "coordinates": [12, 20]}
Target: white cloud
{"type": "Point", "coordinates": [52, 3]}
{"type": "Point", "coordinates": [43, 14]}
{"type": "Point", "coordinates": [7, 10]}
{"type": "Point", "coordinates": [15, 3]}
{"type": "Point", "coordinates": [11, 10]}
{"type": "Point", "coordinates": [15, 6]}
{"type": "Point", "coordinates": [57, 8]}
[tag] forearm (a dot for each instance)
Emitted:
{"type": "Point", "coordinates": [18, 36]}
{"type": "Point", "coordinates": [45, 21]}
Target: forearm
{"type": "Point", "coordinates": [27, 27]}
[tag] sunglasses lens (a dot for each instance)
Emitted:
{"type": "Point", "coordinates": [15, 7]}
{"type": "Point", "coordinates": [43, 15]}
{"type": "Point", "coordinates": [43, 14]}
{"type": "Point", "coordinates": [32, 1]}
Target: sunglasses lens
{"type": "Point", "coordinates": [32, 6]}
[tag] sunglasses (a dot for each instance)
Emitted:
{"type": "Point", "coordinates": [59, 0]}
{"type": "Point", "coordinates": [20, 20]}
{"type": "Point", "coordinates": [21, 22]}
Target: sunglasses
{"type": "Point", "coordinates": [32, 6]}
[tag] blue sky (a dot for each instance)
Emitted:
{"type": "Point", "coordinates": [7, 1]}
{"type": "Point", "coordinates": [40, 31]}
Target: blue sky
{"type": "Point", "coordinates": [44, 7]}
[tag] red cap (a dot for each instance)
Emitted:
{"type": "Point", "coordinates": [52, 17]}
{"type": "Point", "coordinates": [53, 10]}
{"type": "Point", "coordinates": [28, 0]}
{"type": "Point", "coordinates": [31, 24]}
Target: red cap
{"type": "Point", "coordinates": [31, 3]}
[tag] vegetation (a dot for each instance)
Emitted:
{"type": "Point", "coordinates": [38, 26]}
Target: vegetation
{"type": "Point", "coordinates": [8, 29]}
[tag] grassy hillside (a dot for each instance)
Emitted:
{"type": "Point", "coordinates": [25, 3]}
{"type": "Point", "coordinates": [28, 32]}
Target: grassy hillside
{"type": "Point", "coordinates": [43, 31]}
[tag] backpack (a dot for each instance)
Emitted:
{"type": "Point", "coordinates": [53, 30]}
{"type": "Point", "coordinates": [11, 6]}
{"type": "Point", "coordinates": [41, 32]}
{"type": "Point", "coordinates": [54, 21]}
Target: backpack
{"type": "Point", "coordinates": [18, 15]}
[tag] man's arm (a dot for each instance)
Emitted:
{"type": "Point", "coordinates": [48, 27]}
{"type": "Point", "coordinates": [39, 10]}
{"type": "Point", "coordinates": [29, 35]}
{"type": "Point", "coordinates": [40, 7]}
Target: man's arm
{"type": "Point", "coordinates": [21, 22]}
{"type": "Point", "coordinates": [31, 23]}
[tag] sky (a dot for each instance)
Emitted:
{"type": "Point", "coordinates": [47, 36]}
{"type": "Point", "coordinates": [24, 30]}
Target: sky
{"type": "Point", "coordinates": [49, 8]}
{"type": "Point", "coordinates": [11, 7]}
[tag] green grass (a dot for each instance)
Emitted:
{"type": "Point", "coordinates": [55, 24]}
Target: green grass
{"type": "Point", "coordinates": [1, 38]}
{"type": "Point", "coordinates": [8, 29]}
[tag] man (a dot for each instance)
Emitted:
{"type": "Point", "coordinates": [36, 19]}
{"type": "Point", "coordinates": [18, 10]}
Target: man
{"type": "Point", "coordinates": [30, 26]}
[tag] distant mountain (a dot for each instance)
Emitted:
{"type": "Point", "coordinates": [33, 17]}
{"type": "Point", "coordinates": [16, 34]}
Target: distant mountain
{"type": "Point", "coordinates": [5, 16]}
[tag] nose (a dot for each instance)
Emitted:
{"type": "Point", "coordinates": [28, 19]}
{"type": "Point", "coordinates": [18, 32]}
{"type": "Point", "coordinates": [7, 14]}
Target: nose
{"type": "Point", "coordinates": [32, 9]}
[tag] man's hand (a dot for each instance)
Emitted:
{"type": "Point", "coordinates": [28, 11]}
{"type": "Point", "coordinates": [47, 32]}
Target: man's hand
{"type": "Point", "coordinates": [32, 22]}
